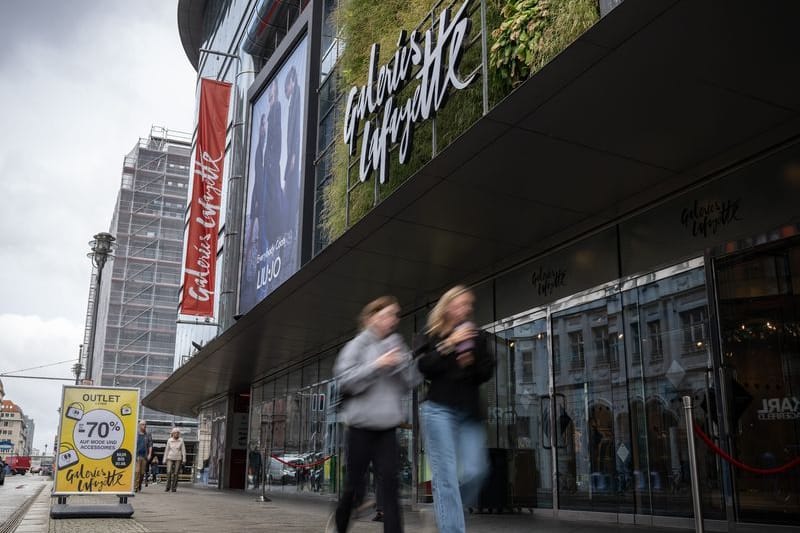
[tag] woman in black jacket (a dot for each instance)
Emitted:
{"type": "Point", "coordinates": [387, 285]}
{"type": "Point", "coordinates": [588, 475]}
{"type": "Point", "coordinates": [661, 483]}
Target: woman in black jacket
{"type": "Point", "coordinates": [455, 358]}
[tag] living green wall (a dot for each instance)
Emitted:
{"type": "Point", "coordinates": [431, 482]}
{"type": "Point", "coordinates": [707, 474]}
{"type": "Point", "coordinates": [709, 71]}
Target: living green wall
{"type": "Point", "coordinates": [523, 36]}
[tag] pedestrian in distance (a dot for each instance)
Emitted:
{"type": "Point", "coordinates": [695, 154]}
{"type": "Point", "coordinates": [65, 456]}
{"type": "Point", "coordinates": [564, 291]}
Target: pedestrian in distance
{"type": "Point", "coordinates": [454, 356]}
{"type": "Point", "coordinates": [174, 457]}
{"type": "Point", "coordinates": [144, 451]}
{"type": "Point", "coordinates": [154, 469]}
{"type": "Point", "coordinates": [375, 373]}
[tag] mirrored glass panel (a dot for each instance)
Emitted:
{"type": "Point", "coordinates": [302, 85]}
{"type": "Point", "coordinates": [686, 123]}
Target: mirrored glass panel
{"type": "Point", "coordinates": [666, 339]}
{"type": "Point", "coordinates": [593, 438]}
{"type": "Point", "coordinates": [759, 307]}
{"type": "Point", "coordinates": [522, 412]}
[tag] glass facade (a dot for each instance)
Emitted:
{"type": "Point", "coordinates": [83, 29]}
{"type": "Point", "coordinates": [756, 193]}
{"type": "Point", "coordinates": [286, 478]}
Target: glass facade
{"type": "Point", "coordinates": [584, 412]}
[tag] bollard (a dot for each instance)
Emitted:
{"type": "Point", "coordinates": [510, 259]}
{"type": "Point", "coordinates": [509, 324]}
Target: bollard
{"type": "Point", "coordinates": [698, 511]}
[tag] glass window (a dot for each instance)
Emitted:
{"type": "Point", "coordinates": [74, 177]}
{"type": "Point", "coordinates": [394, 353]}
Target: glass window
{"type": "Point", "coordinates": [601, 346]}
{"type": "Point", "coordinates": [522, 413]}
{"type": "Point", "coordinates": [693, 325]}
{"type": "Point", "coordinates": [659, 451]}
{"type": "Point", "coordinates": [655, 341]}
{"type": "Point", "coordinates": [635, 344]}
{"type": "Point", "coordinates": [577, 357]}
{"type": "Point", "coordinates": [593, 448]}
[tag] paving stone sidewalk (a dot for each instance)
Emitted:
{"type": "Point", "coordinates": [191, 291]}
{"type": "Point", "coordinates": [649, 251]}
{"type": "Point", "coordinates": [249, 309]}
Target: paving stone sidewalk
{"type": "Point", "coordinates": [199, 510]}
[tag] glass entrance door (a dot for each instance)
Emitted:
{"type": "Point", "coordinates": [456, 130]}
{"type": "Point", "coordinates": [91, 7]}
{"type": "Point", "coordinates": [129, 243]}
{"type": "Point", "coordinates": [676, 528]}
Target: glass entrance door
{"type": "Point", "coordinates": [668, 352]}
{"type": "Point", "coordinates": [593, 445]}
{"type": "Point", "coordinates": [520, 419]}
{"type": "Point", "coordinates": [759, 314]}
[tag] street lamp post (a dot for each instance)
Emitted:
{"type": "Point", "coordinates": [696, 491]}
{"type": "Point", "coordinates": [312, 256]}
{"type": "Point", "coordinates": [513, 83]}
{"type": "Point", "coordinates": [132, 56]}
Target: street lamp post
{"type": "Point", "coordinates": [77, 368]}
{"type": "Point", "coordinates": [102, 251]}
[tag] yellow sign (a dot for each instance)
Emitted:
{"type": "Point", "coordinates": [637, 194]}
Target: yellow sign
{"type": "Point", "coordinates": [96, 440]}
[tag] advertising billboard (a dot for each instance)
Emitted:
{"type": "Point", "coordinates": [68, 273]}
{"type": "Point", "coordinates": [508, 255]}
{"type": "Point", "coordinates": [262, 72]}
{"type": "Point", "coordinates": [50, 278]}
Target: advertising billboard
{"type": "Point", "coordinates": [96, 440]}
{"type": "Point", "coordinates": [271, 248]}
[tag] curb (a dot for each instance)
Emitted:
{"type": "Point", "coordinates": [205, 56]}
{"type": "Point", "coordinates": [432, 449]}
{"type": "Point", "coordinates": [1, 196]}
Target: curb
{"type": "Point", "coordinates": [35, 515]}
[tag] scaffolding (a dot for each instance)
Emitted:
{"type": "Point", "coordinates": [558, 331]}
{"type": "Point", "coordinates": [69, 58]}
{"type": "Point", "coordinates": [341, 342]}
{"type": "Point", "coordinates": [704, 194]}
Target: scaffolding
{"type": "Point", "coordinates": [138, 301]}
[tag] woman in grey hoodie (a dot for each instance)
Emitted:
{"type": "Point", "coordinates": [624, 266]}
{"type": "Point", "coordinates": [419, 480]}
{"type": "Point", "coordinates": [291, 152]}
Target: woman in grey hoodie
{"type": "Point", "coordinates": [374, 373]}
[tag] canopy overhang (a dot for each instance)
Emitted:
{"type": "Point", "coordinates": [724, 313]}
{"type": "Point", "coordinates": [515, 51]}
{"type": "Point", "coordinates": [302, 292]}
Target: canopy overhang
{"type": "Point", "coordinates": [656, 97]}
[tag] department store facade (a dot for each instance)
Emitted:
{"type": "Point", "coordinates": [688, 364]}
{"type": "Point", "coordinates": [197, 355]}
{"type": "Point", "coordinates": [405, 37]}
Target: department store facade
{"type": "Point", "coordinates": [627, 218]}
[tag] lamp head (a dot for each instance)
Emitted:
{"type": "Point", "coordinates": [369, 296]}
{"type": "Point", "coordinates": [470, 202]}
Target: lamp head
{"type": "Point", "coordinates": [102, 248]}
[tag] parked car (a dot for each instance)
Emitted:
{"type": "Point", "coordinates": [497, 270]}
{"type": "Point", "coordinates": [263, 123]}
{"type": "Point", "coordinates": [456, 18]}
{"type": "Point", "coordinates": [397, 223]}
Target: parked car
{"type": "Point", "coordinates": [36, 466]}
{"type": "Point", "coordinates": [47, 468]}
{"type": "Point", "coordinates": [280, 472]}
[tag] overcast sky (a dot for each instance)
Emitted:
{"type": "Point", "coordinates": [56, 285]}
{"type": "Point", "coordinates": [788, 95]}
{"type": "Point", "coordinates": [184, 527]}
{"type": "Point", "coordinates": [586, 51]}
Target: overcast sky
{"type": "Point", "coordinates": [80, 82]}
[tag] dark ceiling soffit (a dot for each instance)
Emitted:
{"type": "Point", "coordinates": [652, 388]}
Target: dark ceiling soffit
{"type": "Point", "coordinates": [190, 28]}
{"type": "Point", "coordinates": [610, 32]}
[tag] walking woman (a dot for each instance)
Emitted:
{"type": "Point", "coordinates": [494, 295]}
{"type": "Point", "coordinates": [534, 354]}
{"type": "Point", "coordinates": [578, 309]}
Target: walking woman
{"type": "Point", "coordinates": [455, 358]}
{"type": "Point", "coordinates": [174, 456]}
{"type": "Point", "coordinates": [374, 374]}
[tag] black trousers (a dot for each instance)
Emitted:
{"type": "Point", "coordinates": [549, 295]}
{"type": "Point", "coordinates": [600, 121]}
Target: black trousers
{"type": "Point", "coordinates": [380, 448]}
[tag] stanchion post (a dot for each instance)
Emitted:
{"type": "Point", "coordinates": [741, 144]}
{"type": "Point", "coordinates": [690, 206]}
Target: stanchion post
{"type": "Point", "coordinates": [696, 503]}
{"type": "Point", "coordinates": [267, 462]}
{"type": "Point", "coordinates": [264, 476]}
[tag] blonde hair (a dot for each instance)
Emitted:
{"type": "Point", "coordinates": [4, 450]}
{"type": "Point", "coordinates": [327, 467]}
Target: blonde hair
{"type": "Point", "coordinates": [438, 315]}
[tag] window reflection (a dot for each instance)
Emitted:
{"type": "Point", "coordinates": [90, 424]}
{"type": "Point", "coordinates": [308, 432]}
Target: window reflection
{"type": "Point", "coordinates": [621, 446]}
{"type": "Point", "coordinates": [522, 414]}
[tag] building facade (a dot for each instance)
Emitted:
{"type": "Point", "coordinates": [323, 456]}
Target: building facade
{"type": "Point", "coordinates": [16, 430]}
{"type": "Point", "coordinates": [30, 429]}
{"type": "Point", "coordinates": [135, 340]}
{"type": "Point", "coordinates": [626, 215]}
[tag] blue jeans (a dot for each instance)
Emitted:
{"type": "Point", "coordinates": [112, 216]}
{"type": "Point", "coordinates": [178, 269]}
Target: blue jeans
{"type": "Point", "coordinates": [456, 448]}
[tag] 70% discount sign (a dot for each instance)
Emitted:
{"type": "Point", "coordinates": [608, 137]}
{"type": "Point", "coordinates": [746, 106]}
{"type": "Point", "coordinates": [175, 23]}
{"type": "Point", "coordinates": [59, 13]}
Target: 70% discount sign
{"type": "Point", "coordinates": [98, 434]}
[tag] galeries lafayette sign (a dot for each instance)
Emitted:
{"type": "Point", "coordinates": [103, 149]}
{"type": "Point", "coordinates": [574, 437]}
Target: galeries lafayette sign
{"type": "Point", "coordinates": [437, 59]}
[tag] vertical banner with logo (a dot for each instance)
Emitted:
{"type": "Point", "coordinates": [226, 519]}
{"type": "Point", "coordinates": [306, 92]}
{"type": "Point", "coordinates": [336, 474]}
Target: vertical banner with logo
{"type": "Point", "coordinates": [206, 201]}
{"type": "Point", "coordinates": [96, 440]}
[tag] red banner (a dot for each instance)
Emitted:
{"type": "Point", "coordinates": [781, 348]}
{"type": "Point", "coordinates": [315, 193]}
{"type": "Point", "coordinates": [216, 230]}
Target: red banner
{"type": "Point", "coordinates": [201, 243]}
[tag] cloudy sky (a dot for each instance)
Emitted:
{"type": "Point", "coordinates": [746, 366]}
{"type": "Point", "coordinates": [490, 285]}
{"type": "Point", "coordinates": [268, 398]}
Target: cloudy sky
{"type": "Point", "coordinates": [82, 81]}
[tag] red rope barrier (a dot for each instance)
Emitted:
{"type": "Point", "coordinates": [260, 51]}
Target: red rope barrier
{"type": "Point", "coordinates": [301, 465]}
{"type": "Point", "coordinates": [753, 470]}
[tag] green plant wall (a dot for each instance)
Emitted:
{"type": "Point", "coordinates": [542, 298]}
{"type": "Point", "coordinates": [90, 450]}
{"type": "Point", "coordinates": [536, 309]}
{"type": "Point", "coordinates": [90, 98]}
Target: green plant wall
{"type": "Point", "coordinates": [523, 35]}
{"type": "Point", "coordinates": [532, 32]}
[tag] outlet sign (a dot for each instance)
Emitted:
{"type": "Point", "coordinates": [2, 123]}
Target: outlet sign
{"type": "Point", "coordinates": [96, 440]}
{"type": "Point", "coordinates": [386, 121]}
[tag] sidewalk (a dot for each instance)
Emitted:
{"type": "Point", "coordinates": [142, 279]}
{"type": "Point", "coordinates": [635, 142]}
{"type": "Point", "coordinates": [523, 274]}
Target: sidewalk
{"type": "Point", "coordinates": [198, 510]}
